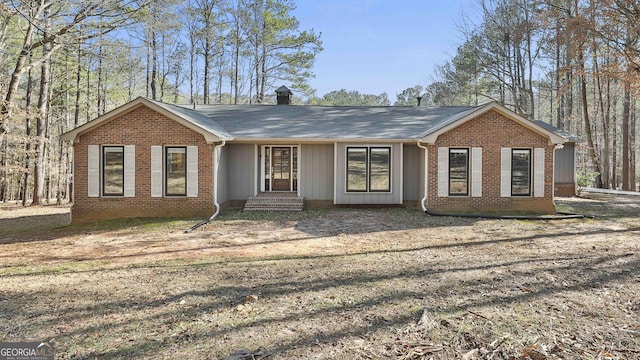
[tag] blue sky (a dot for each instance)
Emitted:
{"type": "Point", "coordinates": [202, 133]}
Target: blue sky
{"type": "Point", "coordinates": [376, 46]}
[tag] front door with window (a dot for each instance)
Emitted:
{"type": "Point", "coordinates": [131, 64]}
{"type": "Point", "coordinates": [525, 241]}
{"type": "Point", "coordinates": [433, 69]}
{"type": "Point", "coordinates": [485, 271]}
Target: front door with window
{"type": "Point", "coordinates": [280, 168]}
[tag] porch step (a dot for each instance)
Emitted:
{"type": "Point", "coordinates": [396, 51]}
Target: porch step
{"type": "Point", "coordinates": [274, 202]}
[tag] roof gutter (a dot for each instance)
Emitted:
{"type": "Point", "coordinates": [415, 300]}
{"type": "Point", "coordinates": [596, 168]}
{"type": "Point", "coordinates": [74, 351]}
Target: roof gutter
{"type": "Point", "coordinates": [423, 201]}
{"type": "Point", "coordinates": [217, 151]}
{"type": "Point", "coordinates": [299, 140]}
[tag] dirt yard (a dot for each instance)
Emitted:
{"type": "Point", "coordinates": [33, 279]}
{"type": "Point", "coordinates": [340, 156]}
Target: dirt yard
{"type": "Point", "coordinates": [326, 284]}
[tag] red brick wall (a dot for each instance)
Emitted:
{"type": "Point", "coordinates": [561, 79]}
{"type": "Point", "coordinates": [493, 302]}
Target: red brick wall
{"type": "Point", "coordinates": [566, 190]}
{"type": "Point", "coordinates": [491, 131]}
{"type": "Point", "coordinates": [143, 128]}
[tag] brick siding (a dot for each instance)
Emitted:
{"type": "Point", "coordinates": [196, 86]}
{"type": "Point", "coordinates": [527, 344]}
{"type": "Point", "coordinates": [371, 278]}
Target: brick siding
{"type": "Point", "coordinates": [143, 128]}
{"type": "Point", "coordinates": [491, 131]}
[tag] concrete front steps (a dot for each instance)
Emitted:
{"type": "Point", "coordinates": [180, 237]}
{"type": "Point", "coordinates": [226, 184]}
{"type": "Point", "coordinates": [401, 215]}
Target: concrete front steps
{"type": "Point", "coordinates": [274, 201]}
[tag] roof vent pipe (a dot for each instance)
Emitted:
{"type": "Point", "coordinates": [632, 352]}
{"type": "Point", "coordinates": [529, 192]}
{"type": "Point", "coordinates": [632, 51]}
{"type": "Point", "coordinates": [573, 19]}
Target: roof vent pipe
{"type": "Point", "coordinates": [419, 98]}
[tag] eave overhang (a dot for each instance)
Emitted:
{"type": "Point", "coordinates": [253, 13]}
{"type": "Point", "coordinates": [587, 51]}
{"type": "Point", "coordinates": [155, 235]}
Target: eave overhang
{"type": "Point", "coordinates": [210, 137]}
{"type": "Point", "coordinates": [431, 136]}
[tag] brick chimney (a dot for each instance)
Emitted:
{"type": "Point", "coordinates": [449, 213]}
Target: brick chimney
{"type": "Point", "coordinates": [283, 95]}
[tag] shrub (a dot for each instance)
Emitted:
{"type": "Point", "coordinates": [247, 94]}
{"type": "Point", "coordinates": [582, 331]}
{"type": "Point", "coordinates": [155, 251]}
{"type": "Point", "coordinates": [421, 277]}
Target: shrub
{"type": "Point", "coordinates": [585, 179]}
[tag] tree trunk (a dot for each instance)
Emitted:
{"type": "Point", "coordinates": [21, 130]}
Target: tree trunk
{"type": "Point", "coordinates": [76, 113]}
{"type": "Point", "coordinates": [263, 70]}
{"type": "Point", "coordinates": [626, 115]}
{"type": "Point", "coordinates": [88, 85]}
{"type": "Point", "coordinates": [236, 63]}
{"type": "Point", "coordinates": [99, 89]}
{"type": "Point", "coordinates": [568, 76]}
{"type": "Point", "coordinates": [192, 59]}
{"type": "Point", "coordinates": [632, 147]}
{"type": "Point", "coordinates": [220, 76]}
{"type": "Point", "coordinates": [3, 169]}
{"type": "Point", "coordinates": [41, 123]}
{"type": "Point", "coordinates": [257, 70]}
{"type": "Point", "coordinates": [148, 65]}
{"type": "Point", "coordinates": [154, 66]}
{"type": "Point", "coordinates": [207, 60]}
{"type": "Point", "coordinates": [559, 89]}
{"type": "Point", "coordinates": [614, 144]}
{"type": "Point", "coordinates": [587, 122]}
{"type": "Point", "coordinates": [27, 147]}
{"type": "Point", "coordinates": [14, 82]}
{"type": "Point", "coordinates": [605, 109]}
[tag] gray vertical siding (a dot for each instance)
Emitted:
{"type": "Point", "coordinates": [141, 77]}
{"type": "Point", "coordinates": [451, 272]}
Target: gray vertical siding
{"type": "Point", "coordinates": [394, 197]}
{"type": "Point", "coordinates": [241, 172]}
{"type": "Point", "coordinates": [316, 172]}
{"type": "Point", "coordinates": [565, 171]}
{"type": "Point", "coordinates": [412, 182]}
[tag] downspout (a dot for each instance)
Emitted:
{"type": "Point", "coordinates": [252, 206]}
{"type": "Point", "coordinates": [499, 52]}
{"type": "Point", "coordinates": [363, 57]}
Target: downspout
{"type": "Point", "coordinates": [216, 163]}
{"type": "Point", "coordinates": [423, 201]}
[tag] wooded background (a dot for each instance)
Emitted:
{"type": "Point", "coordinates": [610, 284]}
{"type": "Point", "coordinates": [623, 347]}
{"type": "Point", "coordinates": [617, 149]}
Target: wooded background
{"type": "Point", "coordinates": [574, 64]}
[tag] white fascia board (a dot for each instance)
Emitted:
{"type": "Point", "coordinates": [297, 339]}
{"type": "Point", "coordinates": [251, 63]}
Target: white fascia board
{"type": "Point", "coordinates": [553, 137]}
{"type": "Point", "coordinates": [209, 137]}
{"type": "Point", "coordinates": [72, 135]}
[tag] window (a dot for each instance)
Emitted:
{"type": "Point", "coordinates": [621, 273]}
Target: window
{"type": "Point", "coordinates": [521, 172]}
{"type": "Point", "coordinates": [459, 172]}
{"type": "Point", "coordinates": [380, 169]}
{"type": "Point", "coordinates": [176, 171]}
{"type": "Point", "coordinates": [113, 170]}
{"type": "Point", "coordinates": [356, 169]}
{"type": "Point", "coordinates": [368, 169]}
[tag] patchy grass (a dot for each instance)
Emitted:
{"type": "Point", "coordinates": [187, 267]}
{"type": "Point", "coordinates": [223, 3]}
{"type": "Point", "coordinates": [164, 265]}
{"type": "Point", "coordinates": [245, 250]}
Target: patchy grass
{"type": "Point", "coordinates": [332, 284]}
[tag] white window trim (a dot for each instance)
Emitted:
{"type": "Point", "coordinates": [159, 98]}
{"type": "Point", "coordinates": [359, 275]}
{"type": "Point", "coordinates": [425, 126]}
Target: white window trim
{"type": "Point", "coordinates": [505, 172]}
{"type": "Point", "coordinates": [157, 164]}
{"type": "Point", "coordinates": [443, 172]}
{"type": "Point", "coordinates": [93, 170]}
{"type": "Point", "coordinates": [192, 171]}
{"type": "Point", "coordinates": [538, 172]}
{"type": "Point", "coordinates": [129, 171]}
{"type": "Point", "coordinates": [476, 172]}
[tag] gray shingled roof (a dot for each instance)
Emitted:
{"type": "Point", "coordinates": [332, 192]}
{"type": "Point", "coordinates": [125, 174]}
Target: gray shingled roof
{"type": "Point", "coordinates": [565, 134]}
{"type": "Point", "coordinates": [320, 123]}
{"type": "Point", "coordinates": [330, 122]}
{"type": "Point", "coordinates": [196, 118]}
{"type": "Point", "coordinates": [282, 89]}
